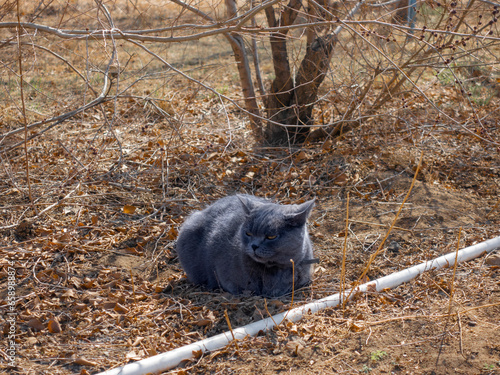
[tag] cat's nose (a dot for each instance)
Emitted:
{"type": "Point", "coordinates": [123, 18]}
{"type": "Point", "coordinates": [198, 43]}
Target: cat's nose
{"type": "Point", "coordinates": [255, 247]}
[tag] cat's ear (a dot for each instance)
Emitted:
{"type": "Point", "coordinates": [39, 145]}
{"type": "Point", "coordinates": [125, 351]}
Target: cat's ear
{"type": "Point", "coordinates": [299, 216]}
{"type": "Point", "coordinates": [245, 202]}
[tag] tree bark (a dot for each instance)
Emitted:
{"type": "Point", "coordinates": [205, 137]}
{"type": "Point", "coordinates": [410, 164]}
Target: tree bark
{"type": "Point", "coordinates": [296, 105]}
{"type": "Point", "coordinates": [238, 46]}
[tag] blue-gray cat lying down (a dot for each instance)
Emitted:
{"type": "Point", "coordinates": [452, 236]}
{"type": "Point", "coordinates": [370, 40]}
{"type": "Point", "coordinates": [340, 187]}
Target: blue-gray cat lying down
{"type": "Point", "coordinates": [244, 243]}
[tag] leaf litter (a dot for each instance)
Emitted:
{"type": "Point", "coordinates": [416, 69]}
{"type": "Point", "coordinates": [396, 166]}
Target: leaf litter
{"type": "Point", "coordinates": [99, 284]}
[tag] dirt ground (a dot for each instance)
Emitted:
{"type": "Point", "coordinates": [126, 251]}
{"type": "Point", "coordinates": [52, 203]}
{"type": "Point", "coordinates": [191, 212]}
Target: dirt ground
{"type": "Point", "coordinates": [88, 268]}
{"type": "Point", "coordinates": [99, 283]}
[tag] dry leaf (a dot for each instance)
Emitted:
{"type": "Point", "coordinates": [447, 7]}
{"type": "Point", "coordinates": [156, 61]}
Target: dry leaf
{"type": "Point", "coordinates": [135, 356]}
{"type": "Point", "coordinates": [35, 324]}
{"type": "Point", "coordinates": [172, 234]}
{"type": "Point", "coordinates": [120, 309]}
{"type": "Point", "coordinates": [65, 237]}
{"type": "Point", "coordinates": [109, 305]}
{"type": "Point", "coordinates": [327, 145]}
{"type": "Point", "coordinates": [129, 209]}
{"type": "Point", "coordinates": [197, 353]}
{"type": "Point", "coordinates": [54, 326]}
{"type": "Point", "coordinates": [493, 260]}
{"type": "Point", "coordinates": [70, 293]}
{"type": "Point", "coordinates": [202, 322]}
{"type": "Point", "coordinates": [356, 327]}
{"type": "Point", "coordinates": [88, 284]}
{"type": "Point", "coordinates": [138, 340]}
{"type": "Point", "coordinates": [300, 156]}
{"type": "Point", "coordinates": [341, 179]}
{"type": "Point", "coordinates": [84, 362]}
{"type": "Point", "coordinates": [80, 306]}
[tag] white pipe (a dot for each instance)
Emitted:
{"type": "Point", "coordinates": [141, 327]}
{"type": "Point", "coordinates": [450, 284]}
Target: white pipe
{"type": "Point", "coordinates": [171, 359]}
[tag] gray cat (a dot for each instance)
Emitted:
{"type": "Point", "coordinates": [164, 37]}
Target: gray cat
{"type": "Point", "coordinates": [244, 243]}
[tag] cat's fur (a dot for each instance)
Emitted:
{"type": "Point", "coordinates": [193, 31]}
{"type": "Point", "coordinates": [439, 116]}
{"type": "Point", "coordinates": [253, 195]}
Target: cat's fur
{"type": "Point", "coordinates": [243, 243]}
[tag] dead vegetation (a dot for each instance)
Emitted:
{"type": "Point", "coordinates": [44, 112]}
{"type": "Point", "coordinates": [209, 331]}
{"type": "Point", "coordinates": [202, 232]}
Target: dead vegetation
{"type": "Point", "coordinates": [97, 280]}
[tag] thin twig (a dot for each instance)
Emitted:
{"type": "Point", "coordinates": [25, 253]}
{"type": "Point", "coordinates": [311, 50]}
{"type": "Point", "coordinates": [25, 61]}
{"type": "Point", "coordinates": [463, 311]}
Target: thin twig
{"type": "Point", "coordinates": [452, 289]}
{"type": "Point", "coordinates": [59, 202]}
{"type": "Point", "coordinates": [23, 106]}
{"type": "Point", "coordinates": [439, 316]}
{"type": "Point", "coordinates": [452, 284]}
{"type": "Point", "coordinates": [231, 330]}
{"type": "Point", "coordinates": [344, 254]}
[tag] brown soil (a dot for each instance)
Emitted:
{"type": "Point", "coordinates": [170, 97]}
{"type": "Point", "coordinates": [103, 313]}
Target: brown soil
{"type": "Point", "coordinates": [110, 278]}
{"type": "Point", "coordinates": [97, 280]}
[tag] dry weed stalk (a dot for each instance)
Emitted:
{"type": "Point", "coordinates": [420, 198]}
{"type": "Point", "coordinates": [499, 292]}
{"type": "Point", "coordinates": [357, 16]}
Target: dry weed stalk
{"type": "Point", "coordinates": [380, 247]}
{"type": "Point", "coordinates": [344, 255]}
{"type": "Point", "coordinates": [231, 330]}
{"type": "Point", "coordinates": [23, 107]}
{"type": "Point", "coordinates": [452, 282]}
{"type": "Point", "coordinates": [450, 304]}
{"type": "Point", "coordinates": [293, 290]}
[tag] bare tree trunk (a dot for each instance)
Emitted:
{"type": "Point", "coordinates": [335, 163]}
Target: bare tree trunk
{"type": "Point", "coordinates": [238, 46]}
{"type": "Point", "coordinates": [288, 104]}
{"type": "Point", "coordinates": [282, 88]}
{"type": "Point", "coordinates": [318, 10]}
{"type": "Point", "coordinates": [256, 62]}
{"type": "Point", "coordinates": [296, 112]}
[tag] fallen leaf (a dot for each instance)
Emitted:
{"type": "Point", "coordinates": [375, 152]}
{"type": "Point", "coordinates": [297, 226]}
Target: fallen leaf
{"type": "Point", "coordinates": [340, 179]}
{"type": "Point", "coordinates": [120, 309]}
{"type": "Point", "coordinates": [356, 327]}
{"type": "Point", "coordinates": [493, 260]}
{"type": "Point", "coordinates": [197, 353]}
{"type": "Point", "coordinates": [54, 326]}
{"type": "Point", "coordinates": [172, 234]}
{"type": "Point", "coordinates": [36, 324]}
{"type": "Point", "coordinates": [300, 156]}
{"type": "Point", "coordinates": [135, 356]}
{"type": "Point", "coordinates": [84, 362]}
{"type": "Point", "coordinates": [138, 340]}
{"type": "Point", "coordinates": [80, 306]}
{"type": "Point", "coordinates": [109, 305]}
{"type": "Point", "coordinates": [129, 209]}
{"type": "Point", "coordinates": [69, 293]}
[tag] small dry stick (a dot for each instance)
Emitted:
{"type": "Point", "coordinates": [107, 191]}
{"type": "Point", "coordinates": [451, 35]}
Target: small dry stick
{"type": "Point", "coordinates": [452, 289]}
{"type": "Point", "coordinates": [344, 253]}
{"type": "Point", "coordinates": [493, 209]}
{"type": "Point", "coordinates": [379, 225]}
{"type": "Point", "coordinates": [268, 313]}
{"type": "Point", "coordinates": [452, 285]}
{"type": "Point", "coordinates": [58, 203]}
{"type": "Point", "coordinates": [23, 106]}
{"type": "Point", "coordinates": [133, 285]}
{"type": "Point", "coordinates": [231, 330]}
{"type": "Point", "coordinates": [408, 317]}
{"type": "Point", "coordinates": [293, 282]}
{"type": "Point", "coordinates": [460, 342]}
{"type": "Point", "coordinates": [293, 289]}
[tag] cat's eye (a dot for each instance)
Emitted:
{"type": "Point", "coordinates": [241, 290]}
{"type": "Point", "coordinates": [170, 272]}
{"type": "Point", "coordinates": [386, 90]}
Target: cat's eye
{"type": "Point", "coordinates": [271, 237]}
{"type": "Point", "coordinates": [248, 234]}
